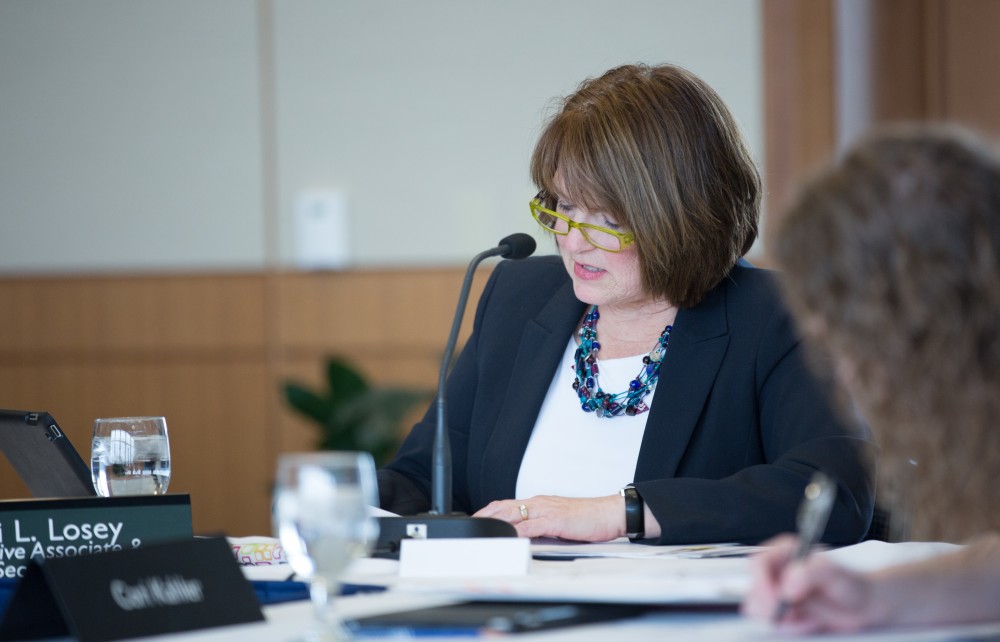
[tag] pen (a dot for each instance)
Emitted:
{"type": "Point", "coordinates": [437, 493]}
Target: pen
{"type": "Point", "coordinates": [814, 512]}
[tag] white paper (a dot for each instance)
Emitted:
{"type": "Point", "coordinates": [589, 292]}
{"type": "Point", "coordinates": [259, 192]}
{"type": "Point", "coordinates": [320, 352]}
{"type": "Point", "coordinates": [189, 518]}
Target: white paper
{"type": "Point", "coordinates": [623, 548]}
{"type": "Point", "coordinates": [475, 557]}
{"type": "Point", "coordinates": [375, 511]}
{"type": "Point", "coordinates": [874, 555]}
{"type": "Point", "coordinates": [646, 580]}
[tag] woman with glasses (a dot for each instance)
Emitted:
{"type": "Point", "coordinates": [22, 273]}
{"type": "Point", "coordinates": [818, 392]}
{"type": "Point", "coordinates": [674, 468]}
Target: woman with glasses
{"type": "Point", "coordinates": [646, 381]}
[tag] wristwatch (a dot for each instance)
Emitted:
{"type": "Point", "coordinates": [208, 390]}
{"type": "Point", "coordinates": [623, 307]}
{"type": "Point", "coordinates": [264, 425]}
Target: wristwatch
{"type": "Point", "coordinates": [635, 518]}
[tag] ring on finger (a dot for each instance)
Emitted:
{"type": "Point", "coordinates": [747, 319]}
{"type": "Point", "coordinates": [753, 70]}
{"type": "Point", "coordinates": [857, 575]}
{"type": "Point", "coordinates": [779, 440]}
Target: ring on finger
{"type": "Point", "coordinates": [524, 511]}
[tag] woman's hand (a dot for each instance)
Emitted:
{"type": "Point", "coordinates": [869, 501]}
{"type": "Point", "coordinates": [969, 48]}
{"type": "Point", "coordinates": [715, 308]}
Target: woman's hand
{"type": "Point", "coordinates": [590, 519]}
{"type": "Point", "coordinates": [821, 596]}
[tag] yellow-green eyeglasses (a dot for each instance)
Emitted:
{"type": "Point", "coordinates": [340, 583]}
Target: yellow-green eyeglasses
{"type": "Point", "coordinates": [600, 237]}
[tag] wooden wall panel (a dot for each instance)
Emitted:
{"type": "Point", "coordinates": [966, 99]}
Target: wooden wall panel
{"type": "Point", "coordinates": [210, 353]}
{"type": "Point", "coordinates": [903, 74]}
{"type": "Point", "coordinates": [969, 59]}
{"type": "Point", "coordinates": [935, 60]}
{"type": "Point", "coordinates": [69, 315]}
{"type": "Point", "coordinates": [215, 415]}
{"type": "Point", "coordinates": [361, 312]}
{"type": "Point", "coordinates": [927, 60]}
{"type": "Point", "coordinates": [799, 116]}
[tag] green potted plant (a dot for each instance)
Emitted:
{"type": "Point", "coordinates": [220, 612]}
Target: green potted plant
{"type": "Point", "coordinates": [351, 414]}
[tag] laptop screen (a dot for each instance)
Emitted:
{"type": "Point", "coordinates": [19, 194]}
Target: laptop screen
{"type": "Point", "coordinates": [42, 455]}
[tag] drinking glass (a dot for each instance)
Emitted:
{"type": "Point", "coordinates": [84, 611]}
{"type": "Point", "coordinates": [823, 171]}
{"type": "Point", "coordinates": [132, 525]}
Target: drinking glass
{"type": "Point", "coordinates": [322, 519]}
{"type": "Point", "coordinates": [130, 456]}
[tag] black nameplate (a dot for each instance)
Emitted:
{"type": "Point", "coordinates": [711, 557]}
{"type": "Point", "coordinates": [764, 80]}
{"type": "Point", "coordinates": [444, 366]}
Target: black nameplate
{"type": "Point", "coordinates": [163, 588]}
{"type": "Point", "coordinates": [53, 528]}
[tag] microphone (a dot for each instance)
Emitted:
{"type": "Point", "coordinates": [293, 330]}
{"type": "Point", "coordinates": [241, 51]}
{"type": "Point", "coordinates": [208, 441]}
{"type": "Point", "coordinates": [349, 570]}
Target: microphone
{"type": "Point", "coordinates": [440, 522]}
{"type": "Point", "coordinates": [517, 246]}
{"type": "Point", "coordinates": [514, 247]}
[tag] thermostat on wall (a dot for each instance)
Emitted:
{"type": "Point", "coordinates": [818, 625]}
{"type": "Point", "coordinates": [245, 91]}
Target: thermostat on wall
{"type": "Point", "coordinates": [322, 239]}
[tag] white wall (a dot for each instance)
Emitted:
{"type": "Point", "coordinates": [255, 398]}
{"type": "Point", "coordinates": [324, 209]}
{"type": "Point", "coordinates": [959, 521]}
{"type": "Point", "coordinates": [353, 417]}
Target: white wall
{"type": "Point", "coordinates": [129, 135]}
{"type": "Point", "coordinates": [177, 134]}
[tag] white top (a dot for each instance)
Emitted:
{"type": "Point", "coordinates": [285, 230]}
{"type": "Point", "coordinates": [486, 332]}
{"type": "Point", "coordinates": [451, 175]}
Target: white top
{"type": "Point", "coordinates": [573, 453]}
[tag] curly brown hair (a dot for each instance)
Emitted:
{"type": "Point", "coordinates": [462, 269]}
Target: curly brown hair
{"type": "Point", "coordinates": [891, 262]}
{"type": "Point", "coordinates": [655, 147]}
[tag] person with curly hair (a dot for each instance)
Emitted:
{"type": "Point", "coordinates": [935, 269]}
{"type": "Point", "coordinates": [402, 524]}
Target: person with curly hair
{"type": "Point", "coordinates": [891, 261]}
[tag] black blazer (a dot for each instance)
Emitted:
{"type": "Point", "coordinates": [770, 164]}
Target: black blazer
{"type": "Point", "coordinates": [737, 426]}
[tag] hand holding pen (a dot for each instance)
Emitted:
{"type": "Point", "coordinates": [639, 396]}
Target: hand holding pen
{"type": "Point", "coordinates": [818, 595]}
{"type": "Point", "coordinates": [814, 513]}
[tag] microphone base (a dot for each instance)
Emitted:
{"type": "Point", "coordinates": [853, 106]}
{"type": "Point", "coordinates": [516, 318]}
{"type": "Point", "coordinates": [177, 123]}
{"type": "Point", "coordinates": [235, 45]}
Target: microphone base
{"type": "Point", "coordinates": [392, 530]}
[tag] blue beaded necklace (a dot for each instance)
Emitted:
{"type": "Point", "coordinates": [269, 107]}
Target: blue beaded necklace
{"type": "Point", "coordinates": [592, 398]}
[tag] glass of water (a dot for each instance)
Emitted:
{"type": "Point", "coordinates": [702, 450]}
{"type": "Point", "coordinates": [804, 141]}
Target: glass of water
{"type": "Point", "coordinates": [322, 519]}
{"type": "Point", "coordinates": [130, 456]}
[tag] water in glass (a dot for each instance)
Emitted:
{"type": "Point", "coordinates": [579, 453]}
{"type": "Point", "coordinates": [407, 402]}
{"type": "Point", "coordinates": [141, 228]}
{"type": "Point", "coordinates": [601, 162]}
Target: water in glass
{"type": "Point", "coordinates": [321, 517]}
{"type": "Point", "coordinates": [130, 456]}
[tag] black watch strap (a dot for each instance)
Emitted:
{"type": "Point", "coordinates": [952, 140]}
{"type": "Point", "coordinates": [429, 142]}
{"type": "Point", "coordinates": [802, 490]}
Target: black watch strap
{"type": "Point", "coordinates": [635, 518]}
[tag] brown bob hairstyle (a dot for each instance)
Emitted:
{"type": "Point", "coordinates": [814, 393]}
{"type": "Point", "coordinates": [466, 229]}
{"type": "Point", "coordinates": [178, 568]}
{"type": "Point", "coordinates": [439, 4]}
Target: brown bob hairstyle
{"type": "Point", "coordinates": [891, 261]}
{"type": "Point", "coordinates": [655, 148]}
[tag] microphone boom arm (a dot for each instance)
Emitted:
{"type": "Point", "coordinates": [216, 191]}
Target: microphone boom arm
{"type": "Point", "coordinates": [441, 455]}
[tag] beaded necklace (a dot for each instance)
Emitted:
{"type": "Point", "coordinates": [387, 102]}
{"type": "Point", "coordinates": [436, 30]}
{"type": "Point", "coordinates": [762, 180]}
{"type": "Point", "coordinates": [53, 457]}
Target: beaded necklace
{"type": "Point", "coordinates": [592, 398]}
